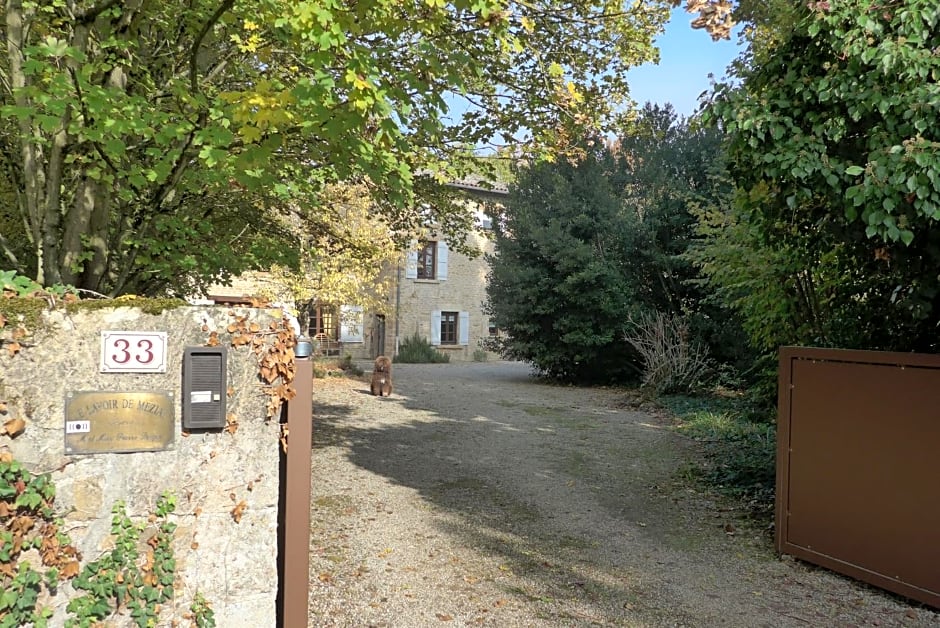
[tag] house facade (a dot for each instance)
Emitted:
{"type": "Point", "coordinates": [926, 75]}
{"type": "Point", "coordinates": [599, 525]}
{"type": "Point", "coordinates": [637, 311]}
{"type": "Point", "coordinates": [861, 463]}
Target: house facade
{"type": "Point", "coordinates": [436, 293]}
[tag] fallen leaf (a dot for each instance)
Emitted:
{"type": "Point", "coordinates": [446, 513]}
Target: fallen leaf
{"type": "Point", "coordinates": [445, 617]}
{"type": "Point", "coordinates": [194, 545]}
{"type": "Point", "coordinates": [14, 427]}
{"type": "Point", "coordinates": [70, 569]}
{"type": "Point", "coordinates": [3, 407]}
{"type": "Point", "coordinates": [499, 603]}
{"type": "Point", "coordinates": [13, 348]}
{"type": "Point", "coordinates": [238, 511]}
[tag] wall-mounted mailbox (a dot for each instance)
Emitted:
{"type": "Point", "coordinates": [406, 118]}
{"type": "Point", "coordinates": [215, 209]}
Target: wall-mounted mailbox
{"type": "Point", "coordinates": [204, 388]}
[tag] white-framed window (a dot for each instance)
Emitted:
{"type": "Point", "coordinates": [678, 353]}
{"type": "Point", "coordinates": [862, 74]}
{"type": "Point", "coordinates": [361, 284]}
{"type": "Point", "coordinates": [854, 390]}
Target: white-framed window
{"type": "Point", "coordinates": [450, 328]}
{"type": "Point", "coordinates": [428, 261]}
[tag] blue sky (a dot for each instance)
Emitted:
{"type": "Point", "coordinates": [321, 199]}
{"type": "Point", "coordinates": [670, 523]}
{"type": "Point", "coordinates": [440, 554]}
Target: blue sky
{"type": "Point", "coordinates": [687, 57]}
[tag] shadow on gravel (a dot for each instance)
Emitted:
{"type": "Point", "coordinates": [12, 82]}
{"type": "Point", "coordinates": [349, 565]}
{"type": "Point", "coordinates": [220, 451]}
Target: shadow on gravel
{"type": "Point", "coordinates": [554, 489]}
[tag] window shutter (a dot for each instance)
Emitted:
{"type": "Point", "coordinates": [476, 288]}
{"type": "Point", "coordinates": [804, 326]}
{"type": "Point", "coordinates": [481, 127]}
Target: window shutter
{"type": "Point", "coordinates": [411, 265]}
{"type": "Point", "coordinates": [463, 328]}
{"type": "Point", "coordinates": [350, 323]}
{"type": "Point", "coordinates": [436, 327]}
{"type": "Point", "coordinates": [441, 260]}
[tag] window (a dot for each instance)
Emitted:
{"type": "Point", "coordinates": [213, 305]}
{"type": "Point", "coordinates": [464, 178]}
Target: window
{"type": "Point", "coordinates": [324, 320]}
{"type": "Point", "coordinates": [428, 262]}
{"type": "Point", "coordinates": [449, 328]}
{"type": "Point", "coordinates": [427, 255]}
{"type": "Point", "coordinates": [493, 330]}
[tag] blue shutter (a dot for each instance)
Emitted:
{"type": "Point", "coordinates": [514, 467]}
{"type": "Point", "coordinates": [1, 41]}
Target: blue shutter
{"type": "Point", "coordinates": [463, 328]}
{"type": "Point", "coordinates": [436, 327]}
{"type": "Point", "coordinates": [441, 260]}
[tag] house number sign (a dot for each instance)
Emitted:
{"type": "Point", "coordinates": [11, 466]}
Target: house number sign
{"type": "Point", "coordinates": [133, 352]}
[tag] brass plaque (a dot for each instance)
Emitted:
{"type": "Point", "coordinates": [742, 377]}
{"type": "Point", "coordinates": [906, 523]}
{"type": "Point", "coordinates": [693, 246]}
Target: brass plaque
{"type": "Point", "coordinates": [108, 422]}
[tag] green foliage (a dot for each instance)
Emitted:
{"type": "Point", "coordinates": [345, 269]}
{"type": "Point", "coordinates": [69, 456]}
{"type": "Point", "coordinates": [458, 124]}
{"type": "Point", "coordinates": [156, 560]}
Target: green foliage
{"type": "Point", "coordinates": [740, 451]}
{"type": "Point", "coordinates": [123, 578]}
{"type": "Point", "coordinates": [669, 169]}
{"type": "Point", "coordinates": [418, 350]}
{"type": "Point", "coordinates": [148, 149]}
{"type": "Point", "coordinates": [558, 284]}
{"type": "Point", "coordinates": [202, 614]}
{"type": "Point", "coordinates": [22, 286]}
{"type": "Point", "coordinates": [479, 355]}
{"type": "Point", "coordinates": [833, 237]}
{"type": "Point", "coordinates": [17, 284]}
{"type": "Point", "coordinates": [28, 522]}
{"type": "Point", "coordinates": [584, 247]}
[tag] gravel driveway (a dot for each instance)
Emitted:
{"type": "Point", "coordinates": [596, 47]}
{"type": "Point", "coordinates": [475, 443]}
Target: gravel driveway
{"type": "Point", "coordinates": [477, 495]}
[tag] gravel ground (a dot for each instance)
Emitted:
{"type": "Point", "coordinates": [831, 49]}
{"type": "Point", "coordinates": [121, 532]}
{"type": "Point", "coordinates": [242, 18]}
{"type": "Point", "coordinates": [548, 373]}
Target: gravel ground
{"type": "Point", "coordinates": [477, 495]}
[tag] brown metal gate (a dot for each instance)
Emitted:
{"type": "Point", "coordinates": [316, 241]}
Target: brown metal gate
{"type": "Point", "coordinates": [858, 466]}
{"type": "Point", "coordinates": [294, 502]}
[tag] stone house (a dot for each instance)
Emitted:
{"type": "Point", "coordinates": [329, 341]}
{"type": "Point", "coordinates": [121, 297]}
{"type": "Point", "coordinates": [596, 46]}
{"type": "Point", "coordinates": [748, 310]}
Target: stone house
{"type": "Point", "coordinates": [435, 293]}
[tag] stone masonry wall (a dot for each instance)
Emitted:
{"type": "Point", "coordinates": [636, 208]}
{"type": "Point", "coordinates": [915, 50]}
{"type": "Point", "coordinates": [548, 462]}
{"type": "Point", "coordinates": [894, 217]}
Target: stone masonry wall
{"type": "Point", "coordinates": [464, 290]}
{"type": "Point", "coordinates": [231, 563]}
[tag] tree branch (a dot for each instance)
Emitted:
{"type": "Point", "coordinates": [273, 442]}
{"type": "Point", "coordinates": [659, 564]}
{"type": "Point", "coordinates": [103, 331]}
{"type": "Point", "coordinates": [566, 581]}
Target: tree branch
{"type": "Point", "coordinates": [91, 14]}
{"type": "Point", "coordinates": [197, 43]}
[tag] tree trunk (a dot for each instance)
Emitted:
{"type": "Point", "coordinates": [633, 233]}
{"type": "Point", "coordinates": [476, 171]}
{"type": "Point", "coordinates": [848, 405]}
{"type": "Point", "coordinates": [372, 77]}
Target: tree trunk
{"type": "Point", "coordinates": [32, 200]}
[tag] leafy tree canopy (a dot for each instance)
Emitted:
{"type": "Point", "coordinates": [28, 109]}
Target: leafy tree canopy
{"type": "Point", "coordinates": [145, 142]}
{"type": "Point", "coordinates": [557, 285]}
{"type": "Point", "coordinates": [833, 146]}
{"type": "Point", "coordinates": [583, 247]}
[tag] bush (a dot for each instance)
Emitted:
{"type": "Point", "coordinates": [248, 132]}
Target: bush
{"type": "Point", "coordinates": [672, 361]}
{"type": "Point", "coordinates": [417, 350]}
{"type": "Point", "coordinates": [740, 452]}
{"type": "Point", "coordinates": [336, 367]}
{"type": "Point", "coordinates": [479, 355]}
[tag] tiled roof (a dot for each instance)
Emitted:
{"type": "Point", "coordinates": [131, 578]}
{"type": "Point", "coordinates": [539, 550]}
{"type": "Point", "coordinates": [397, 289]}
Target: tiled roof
{"type": "Point", "coordinates": [477, 183]}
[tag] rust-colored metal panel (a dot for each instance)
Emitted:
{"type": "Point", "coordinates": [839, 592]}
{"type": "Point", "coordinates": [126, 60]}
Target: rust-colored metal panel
{"type": "Point", "coordinates": [295, 576]}
{"type": "Point", "coordinates": [858, 464]}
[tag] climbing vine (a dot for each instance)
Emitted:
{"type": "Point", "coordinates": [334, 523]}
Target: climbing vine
{"type": "Point", "coordinates": [34, 554]}
{"type": "Point", "coordinates": [127, 577]}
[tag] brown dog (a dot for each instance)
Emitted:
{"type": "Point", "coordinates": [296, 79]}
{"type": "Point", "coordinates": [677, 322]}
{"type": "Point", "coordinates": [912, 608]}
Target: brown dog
{"type": "Point", "coordinates": [382, 377]}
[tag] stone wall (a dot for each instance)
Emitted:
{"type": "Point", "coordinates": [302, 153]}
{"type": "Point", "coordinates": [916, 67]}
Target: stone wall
{"type": "Point", "coordinates": [464, 290]}
{"type": "Point", "coordinates": [231, 563]}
